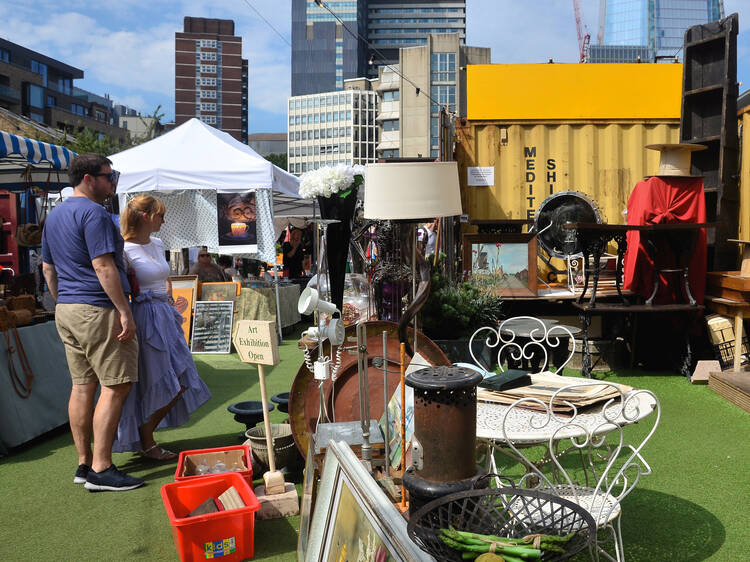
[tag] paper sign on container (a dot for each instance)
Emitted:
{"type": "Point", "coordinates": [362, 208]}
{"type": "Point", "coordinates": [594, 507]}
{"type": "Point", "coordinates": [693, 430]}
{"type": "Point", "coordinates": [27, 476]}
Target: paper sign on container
{"type": "Point", "coordinates": [480, 175]}
{"type": "Point", "coordinates": [256, 342]}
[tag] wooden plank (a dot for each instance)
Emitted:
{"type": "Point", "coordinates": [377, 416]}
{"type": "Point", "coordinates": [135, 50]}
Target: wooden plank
{"type": "Point", "coordinates": [725, 306]}
{"type": "Point", "coordinates": [734, 386]}
{"type": "Point", "coordinates": [728, 279]}
{"type": "Point", "coordinates": [730, 294]}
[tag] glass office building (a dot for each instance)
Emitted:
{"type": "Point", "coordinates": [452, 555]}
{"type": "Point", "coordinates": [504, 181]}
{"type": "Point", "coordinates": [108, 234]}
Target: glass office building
{"type": "Point", "coordinates": [657, 25]}
{"type": "Point", "coordinates": [324, 54]}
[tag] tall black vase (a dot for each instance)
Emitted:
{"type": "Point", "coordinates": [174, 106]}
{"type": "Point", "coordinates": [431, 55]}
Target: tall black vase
{"type": "Point", "coordinates": [338, 236]}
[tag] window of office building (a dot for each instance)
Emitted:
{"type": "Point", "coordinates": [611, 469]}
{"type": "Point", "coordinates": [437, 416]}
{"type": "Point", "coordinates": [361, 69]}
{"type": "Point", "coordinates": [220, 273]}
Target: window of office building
{"type": "Point", "coordinates": [208, 119]}
{"type": "Point", "coordinates": [208, 107]}
{"type": "Point", "coordinates": [208, 94]}
{"type": "Point", "coordinates": [390, 125]}
{"type": "Point", "coordinates": [77, 109]}
{"type": "Point", "coordinates": [208, 69]}
{"type": "Point", "coordinates": [51, 101]}
{"type": "Point", "coordinates": [4, 55]}
{"type": "Point", "coordinates": [443, 67]}
{"type": "Point", "coordinates": [208, 43]}
{"type": "Point", "coordinates": [207, 56]}
{"type": "Point", "coordinates": [390, 95]}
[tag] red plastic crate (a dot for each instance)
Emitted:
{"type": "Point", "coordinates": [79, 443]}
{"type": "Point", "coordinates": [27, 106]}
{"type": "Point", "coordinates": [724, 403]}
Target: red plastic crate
{"type": "Point", "coordinates": [225, 535]}
{"type": "Point", "coordinates": [246, 474]}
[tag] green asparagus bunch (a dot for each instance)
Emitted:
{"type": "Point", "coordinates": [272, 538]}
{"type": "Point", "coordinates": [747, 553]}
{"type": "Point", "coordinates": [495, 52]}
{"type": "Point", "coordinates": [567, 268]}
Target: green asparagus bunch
{"type": "Point", "coordinates": [484, 548]}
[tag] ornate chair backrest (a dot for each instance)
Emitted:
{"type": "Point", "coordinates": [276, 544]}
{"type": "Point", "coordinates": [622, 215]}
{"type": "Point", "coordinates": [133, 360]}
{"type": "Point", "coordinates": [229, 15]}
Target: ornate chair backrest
{"type": "Point", "coordinates": [520, 341]}
{"type": "Point", "coordinates": [609, 465]}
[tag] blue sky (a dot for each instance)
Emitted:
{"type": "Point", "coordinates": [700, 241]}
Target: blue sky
{"type": "Point", "coordinates": [126, 47]}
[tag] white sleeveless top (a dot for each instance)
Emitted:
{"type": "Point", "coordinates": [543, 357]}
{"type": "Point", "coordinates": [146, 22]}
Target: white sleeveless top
{"type": "Point", "coordinates": [151, 269]}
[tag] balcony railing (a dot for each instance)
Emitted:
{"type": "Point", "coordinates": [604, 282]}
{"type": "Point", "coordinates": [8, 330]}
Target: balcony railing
{"type": "Point", "coordinates": [10, 94]}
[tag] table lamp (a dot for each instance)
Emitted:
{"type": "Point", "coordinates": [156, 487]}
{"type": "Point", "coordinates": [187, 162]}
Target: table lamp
{"type": "Point", "coordinates": [412, 192]}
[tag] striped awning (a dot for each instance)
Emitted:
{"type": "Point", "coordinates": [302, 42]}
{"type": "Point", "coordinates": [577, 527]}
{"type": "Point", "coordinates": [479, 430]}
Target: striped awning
{"type": "Point", "coordinates": [35, 151]}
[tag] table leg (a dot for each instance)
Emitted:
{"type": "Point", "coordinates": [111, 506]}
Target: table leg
{"type": "Point", "coordinates": [598, 251]}
{"type": "Point", "coordinates": [622, 245]}
{"type": "Point", "coordinates": [651, 248]}
{"type": "Point", "coordinates": [585, 351]}
{"type": "Point", "coordinates": [738, 316]}
{"type": "Point", "coordinates": [687, 360]}
{"type": "Point", "coordinates": [586, 275]}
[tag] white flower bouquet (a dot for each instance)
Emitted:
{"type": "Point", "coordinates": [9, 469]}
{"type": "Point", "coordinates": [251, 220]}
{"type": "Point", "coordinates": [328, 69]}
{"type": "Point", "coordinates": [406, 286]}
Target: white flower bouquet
{"type": "Point", "coordinates": [330, 180]}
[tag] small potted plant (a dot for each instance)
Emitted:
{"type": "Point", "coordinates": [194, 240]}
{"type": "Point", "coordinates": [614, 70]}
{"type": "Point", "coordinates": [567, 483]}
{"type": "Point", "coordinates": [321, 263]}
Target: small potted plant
{"type": "Point", "coordinates": [454, 311]}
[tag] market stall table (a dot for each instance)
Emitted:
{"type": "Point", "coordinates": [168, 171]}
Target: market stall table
{"type": "Point", "coordinates": [259, 303]}
{"type": "Point", "coordinates": [23, 419]}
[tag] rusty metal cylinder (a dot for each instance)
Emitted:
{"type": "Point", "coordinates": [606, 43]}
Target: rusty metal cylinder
{"type": "Point", "coordinates": [445, 422]}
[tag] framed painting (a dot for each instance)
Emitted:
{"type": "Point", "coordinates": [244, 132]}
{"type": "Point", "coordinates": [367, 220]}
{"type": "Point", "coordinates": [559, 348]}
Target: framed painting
{"type": "Point", "coordinates": [504, 264]}
{"type": "Point", "coordinates": [184, 288]}
{"type": "Point", "coordinates": [353, 518]}
{"type": "Point", "coordinates": [219, 291]}
{"type": "Point", "coordinates": [212, 327]}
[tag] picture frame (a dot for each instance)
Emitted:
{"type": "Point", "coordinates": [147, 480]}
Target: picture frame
{"type": "Point", "coordinates": [352, 511]}
{"type": "Point", "coordinates": [219, 291]}
{"type": "Point", "coordinates": [185, 294]}
{"type": "Point", "coordinates": [212, 327]}
{"type": "Point", "coordinates": [503, 263]}
{"type": "Point", "coordinates": [307, 501]}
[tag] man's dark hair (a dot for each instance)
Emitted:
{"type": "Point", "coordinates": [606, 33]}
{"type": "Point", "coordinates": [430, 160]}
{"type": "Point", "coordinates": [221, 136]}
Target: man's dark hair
{"type": "Point", "coordinates": [86, 163]}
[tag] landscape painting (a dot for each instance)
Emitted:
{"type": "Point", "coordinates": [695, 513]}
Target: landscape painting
{"type": "Point", "coordinates": [504, 264]}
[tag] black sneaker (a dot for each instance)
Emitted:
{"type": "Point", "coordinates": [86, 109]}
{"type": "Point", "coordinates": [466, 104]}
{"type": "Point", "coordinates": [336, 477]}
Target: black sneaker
{"type": "Point", "coordinates": [111, 480]}
{"type": "Point", "coordinates": [81, 473]}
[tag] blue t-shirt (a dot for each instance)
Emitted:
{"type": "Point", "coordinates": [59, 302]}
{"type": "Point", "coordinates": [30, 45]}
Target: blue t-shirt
{"type": "Point", "coordinates": [75, 232]}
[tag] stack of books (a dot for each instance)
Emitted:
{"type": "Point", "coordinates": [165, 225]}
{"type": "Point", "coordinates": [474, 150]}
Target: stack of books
{"type": "Point", "coordinates": [578, 393]}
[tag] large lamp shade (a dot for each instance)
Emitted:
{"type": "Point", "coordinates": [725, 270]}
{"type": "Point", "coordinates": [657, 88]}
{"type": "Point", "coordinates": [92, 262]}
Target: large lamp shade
{"type": "Point", "coordinates": [412, 191]}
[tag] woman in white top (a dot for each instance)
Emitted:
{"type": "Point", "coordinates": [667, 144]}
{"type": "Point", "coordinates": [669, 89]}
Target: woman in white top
{"type": "Point", "coordinates": [169, 387]}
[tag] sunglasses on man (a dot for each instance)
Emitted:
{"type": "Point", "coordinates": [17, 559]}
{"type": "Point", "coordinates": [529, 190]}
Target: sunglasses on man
{"type": "Point", "coordinates": [112, 176]}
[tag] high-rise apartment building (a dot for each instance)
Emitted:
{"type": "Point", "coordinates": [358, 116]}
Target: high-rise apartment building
{"type": "Point", "coordinates": [333, 128]}
{"type": "Point", "coordinates": [656, 25]}
{"type": "Point", "coordinates": [211, 76]}
{"type": "Point", "coordinates": [324, 54]}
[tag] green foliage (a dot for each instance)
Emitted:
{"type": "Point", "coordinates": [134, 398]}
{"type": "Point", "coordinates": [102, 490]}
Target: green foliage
{"type": "Point", "coordinates": [456, 310]}
{"type": "Point", "coordinates": [277, 160]}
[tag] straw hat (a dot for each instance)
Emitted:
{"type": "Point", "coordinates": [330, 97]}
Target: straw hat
{"type": "Point", "coordinates": [674, 159]}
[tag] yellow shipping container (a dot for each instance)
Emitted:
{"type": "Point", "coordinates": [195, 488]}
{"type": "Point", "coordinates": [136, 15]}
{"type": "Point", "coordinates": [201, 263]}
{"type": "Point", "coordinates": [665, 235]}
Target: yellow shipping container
{"type": "Point", "coordinates": [525, 162]}
{"type": "Point", "coordinates": [544, 128]}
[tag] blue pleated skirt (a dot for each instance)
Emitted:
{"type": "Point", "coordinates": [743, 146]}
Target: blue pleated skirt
{"type": "Point", "coordinates": [165, 365]}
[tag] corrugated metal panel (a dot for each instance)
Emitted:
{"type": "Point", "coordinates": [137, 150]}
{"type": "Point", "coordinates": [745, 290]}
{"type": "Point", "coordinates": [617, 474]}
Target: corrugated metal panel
{"type": "Point", "coordinates": [532, 160]}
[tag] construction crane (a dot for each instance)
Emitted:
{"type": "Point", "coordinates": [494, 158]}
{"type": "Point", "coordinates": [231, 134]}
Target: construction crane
{"type": "Point", "coordinates": [584, 38]}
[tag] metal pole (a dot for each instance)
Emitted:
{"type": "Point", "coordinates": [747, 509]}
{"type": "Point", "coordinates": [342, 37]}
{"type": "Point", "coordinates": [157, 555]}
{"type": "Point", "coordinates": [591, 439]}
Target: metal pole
{"type": "Point", "coordinates": [364, 388]}
{"type": "Point", "coordinates": [275, 275]}
{"type": "Point", "coordinates": [403, 424]}
{"type": "Point", "coordinates": [385, 402]}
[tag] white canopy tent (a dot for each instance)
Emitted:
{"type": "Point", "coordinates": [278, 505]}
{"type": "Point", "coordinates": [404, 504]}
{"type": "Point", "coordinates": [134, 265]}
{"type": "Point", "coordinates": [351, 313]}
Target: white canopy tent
{"type": "Point", "coordinates": [188, 165]}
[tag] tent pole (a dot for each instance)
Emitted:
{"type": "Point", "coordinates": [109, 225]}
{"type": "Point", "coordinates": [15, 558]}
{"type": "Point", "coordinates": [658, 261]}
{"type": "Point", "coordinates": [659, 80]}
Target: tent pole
{"type": "Point", "coordinates": [276, 279]}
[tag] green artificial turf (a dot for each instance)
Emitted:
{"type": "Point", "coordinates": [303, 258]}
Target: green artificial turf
{"type": "Point", "coordinates": [690, 508]}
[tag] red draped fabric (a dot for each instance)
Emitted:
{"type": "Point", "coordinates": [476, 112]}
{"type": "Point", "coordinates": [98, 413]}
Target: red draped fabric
{"type": "Point", "coordinates": [658, 200]}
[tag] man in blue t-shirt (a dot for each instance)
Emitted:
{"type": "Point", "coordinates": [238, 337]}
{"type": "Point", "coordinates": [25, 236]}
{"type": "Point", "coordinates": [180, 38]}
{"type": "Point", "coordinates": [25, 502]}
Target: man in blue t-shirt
{"type": "Point", "coordinates": [85, 271]}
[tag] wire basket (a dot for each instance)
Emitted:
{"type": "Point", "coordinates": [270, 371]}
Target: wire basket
{"type": "Point", "coordinates": [503, 512]}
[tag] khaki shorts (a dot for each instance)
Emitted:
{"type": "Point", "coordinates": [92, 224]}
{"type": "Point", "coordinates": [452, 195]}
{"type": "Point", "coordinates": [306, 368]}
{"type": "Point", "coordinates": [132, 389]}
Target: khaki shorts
{"type": "Point", "coordinates": [90, 336]}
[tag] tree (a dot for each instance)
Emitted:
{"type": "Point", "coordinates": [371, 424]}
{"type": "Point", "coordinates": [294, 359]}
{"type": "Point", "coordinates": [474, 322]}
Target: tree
{"type": "Point", "coordinates": [277, 160]}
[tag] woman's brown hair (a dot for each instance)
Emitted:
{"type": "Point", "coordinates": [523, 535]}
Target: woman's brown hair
{"type": "Point", "coordinates": [137, 209]}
